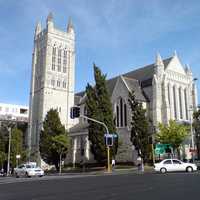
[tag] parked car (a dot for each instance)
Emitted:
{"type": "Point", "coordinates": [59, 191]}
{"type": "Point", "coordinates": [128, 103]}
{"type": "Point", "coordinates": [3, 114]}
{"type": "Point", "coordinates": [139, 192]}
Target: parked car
{"type": "Point", "coordinates": [2, 173]}
{"type": "Point", "coordinates": [172, 165]}
{"type": "Point", "coordinates": [28, 170]}
{"type": "Point", "coordinates": [197, 162]}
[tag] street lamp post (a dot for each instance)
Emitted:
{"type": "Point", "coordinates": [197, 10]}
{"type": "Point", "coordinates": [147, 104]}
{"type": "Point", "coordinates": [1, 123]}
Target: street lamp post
{"type": "Point", "coordinates": [9, 144]}
{"type": "Point", "coordinates": [192, 136]}
{"type": "Point", "coordinates": [191, 121]}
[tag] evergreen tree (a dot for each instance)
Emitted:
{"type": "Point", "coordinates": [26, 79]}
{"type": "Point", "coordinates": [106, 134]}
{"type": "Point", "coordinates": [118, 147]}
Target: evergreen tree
{"type": "Point", "coordinates": [2, 150]}
{"type": "Point", "coordinates": [139, 126]}
{"type": "Point", "coordinates": [51, 128]}
{"type": "Point", "coordinates": [99, 107]}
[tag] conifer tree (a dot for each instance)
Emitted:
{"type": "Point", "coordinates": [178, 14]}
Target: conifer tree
{"type": "Point", "coordinates": [139, 126]}
{"type": "Point", "coordinates": [99, 107]}
{"type": "Point", "coordinates": [51, 128]}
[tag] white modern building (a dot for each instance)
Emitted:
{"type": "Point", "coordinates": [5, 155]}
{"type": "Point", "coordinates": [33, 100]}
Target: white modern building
{"type": "Point", "coordinates": [52, 82]}
{"type": "Point", "coordinates": [13, 112]}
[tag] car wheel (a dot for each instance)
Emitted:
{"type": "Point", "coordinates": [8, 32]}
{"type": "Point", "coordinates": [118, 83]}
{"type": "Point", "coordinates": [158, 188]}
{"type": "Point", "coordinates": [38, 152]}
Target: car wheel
{"type": "Point", "coordinates": [40, 175]}
{"type": "Point", "coordinates": [163, 170]}
{"type": "Point", "coordinates": [16, 175]}
{"type": "Point", "coordinates": [189, 169]}
{"type": "Point", "coordinates": [27, 175]}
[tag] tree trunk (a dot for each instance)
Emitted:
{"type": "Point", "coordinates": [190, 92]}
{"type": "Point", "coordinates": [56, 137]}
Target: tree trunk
{"type": "Point", "coordinates": [60, 163]}
{"type": "Point", "coordinates": [178, 153]}
{"type": "Point", "coordinates": [198, 151]}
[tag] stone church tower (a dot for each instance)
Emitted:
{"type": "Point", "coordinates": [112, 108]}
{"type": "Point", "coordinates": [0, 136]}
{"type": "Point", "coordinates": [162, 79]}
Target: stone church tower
{"type": "Point", "coordinates": [52, 81]}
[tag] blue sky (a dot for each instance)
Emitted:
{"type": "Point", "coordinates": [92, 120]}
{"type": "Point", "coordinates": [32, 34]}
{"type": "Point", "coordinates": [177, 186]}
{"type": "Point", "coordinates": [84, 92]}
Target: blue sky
{"type": "Point", "coordinates": [118, 35]}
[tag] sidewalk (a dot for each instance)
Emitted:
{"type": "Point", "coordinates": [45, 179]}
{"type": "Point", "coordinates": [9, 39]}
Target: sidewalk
{"type": "Point", "coordinates": [103, 171]}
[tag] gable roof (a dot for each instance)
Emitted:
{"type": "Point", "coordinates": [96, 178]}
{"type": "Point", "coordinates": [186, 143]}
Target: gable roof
{"type": "Point", "coordinates": [144, 75]}
{"type": "Point", "coordinates": [133, 85]}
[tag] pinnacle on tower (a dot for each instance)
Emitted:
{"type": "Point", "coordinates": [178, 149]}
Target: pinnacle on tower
{"type": "Point", "coordinates": [49, 22]}
{"type": "Point", "coordinates": [70, 26]}
{"type": "Point", "coordinates": [188, 69]}
{"type": "Point", "coordinates": [50, 17]}
{"type": "Point", "coordinates": [175, 53]}
{"type": "Point", "coordinates": [158, 60]}
{"type": "Point", "coordinates": [38, 28]}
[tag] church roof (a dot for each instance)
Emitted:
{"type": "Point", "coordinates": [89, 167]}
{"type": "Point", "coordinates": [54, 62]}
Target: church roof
{"type": "Point", "coordinates": [133, 85]}
{"type": "Point", "coordinates": [77, 98]}
{"type": "Point", "coordinates": [145, 72]}
{"type": "Point", "coordinates": [144, 75]}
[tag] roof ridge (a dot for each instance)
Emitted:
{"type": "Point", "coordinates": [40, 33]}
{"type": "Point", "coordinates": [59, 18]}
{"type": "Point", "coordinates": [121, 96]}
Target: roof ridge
{"type": "Point", "coordinates": [128, 78]}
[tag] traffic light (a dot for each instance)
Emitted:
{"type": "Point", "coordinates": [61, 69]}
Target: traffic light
{"type": "Point", "coordinates": [74, 112]}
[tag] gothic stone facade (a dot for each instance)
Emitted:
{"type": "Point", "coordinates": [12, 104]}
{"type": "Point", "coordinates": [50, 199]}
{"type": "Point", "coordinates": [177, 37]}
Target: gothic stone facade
{"type": "Point", "coordinates": [167, 90]}
{"type": "Point", "coordinates": [52, 83]}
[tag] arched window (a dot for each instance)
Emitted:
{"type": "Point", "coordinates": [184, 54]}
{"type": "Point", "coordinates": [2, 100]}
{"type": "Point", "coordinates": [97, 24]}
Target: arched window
{"type": "Point", "coordinates": [121, 113]}
{"type": "Point", "coordinates": [186, 103]}
{"type": "Point", "coordinates": [117, 109]}
{"type": "Point", "coordinates": [174, 96]}
{"type": "Point", "coordinates": [53, 67]}
{"type": "Point", "coordinates": [125, 115]}
{"type": "Point", "coordinates": [59, 60]}
{"type": "Point", "coordinates": [180, 103]}
{"type": "Point", "coordinates": [65, 61]}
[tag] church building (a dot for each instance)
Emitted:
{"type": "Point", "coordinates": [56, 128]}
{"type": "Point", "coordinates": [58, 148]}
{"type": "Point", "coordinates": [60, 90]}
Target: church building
{"type": "Point", "coordinates": [167, 91]}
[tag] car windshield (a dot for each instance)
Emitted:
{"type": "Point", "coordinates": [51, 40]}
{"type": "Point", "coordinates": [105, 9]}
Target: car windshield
{"type": "Point", "coordinates": [30, 166]}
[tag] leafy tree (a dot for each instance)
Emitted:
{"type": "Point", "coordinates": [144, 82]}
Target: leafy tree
{"type": "Point", "coordinates": [99, 107]}
{"type": "Point", "coordinates": [60, 144]}
{"type": "Point", "coordinates": [139, 126]}
{"type": "Point", "coordinates": [16, 145]}
{"type": "Point", "coordinates": [2, 150]}
{"type": "Point", "coordinates": [51, 127]}
{"type": "Point", "coordinates": [173, 134]}
{"type": "Point", "coordinates": [196, 125]}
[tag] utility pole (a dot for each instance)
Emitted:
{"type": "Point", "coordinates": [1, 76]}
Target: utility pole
{"type": "Point", "coordinates": [9, 144]}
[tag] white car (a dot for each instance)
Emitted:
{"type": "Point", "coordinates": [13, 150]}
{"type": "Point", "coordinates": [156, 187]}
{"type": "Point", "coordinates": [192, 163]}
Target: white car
{"type": "Point", "coordinates": [172, 165]}
{"type": "Point", "coordinates": [28, 170]}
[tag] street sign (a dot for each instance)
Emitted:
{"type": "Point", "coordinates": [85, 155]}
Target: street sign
{"type": "Point", "coordinates": [163, 148]}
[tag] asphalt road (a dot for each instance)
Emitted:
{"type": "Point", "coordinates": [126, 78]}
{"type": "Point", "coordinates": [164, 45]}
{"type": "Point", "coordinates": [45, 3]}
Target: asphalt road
{"type": "Point", "coordinates": [131, 186]}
